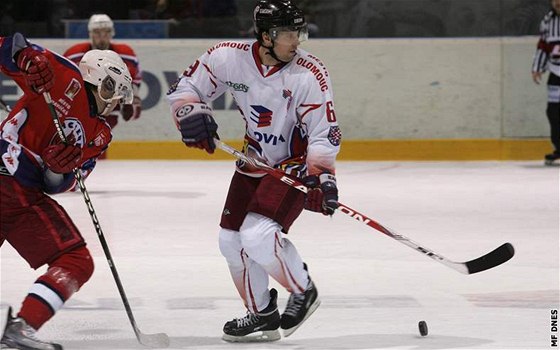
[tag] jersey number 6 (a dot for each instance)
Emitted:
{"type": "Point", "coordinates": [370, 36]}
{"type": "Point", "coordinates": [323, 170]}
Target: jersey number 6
{"type": "Point", "coordinates": [331, 117]}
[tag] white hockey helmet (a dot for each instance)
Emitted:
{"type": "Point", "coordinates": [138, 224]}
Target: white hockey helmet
{"type": "Point", "coordinates": [101, 21]}
{"type": "Point", "coordinates": [106, 70]}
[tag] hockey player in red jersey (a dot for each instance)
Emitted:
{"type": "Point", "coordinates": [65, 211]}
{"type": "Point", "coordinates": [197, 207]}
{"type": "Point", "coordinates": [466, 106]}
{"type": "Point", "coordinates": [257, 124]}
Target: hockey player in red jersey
{"type": "Point", "coordinates": [285, 96]}
{"type": "Point", "coordinates": [101, 32]}
{"type": "Point", "coordinates": [34, 163]}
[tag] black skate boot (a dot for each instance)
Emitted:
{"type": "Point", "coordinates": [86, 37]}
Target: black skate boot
{"type": "Point", "coordinates": [259, 327]}
{"type": "Point", "coordinates": [552, 158]}
{"type": "Point", "coordinates": [300, 306]}
{"type": "Point", "coordinates": [19, 335]}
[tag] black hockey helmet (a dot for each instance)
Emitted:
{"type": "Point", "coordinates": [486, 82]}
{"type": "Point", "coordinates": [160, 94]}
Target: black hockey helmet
{"type": "Point", "coordinates": [269, 14]}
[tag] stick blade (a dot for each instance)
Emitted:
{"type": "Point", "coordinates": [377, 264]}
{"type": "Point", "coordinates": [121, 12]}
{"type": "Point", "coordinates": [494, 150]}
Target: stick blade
{"type": "Point", "coordinates": [158, 340]}
{"type": "Point", "coordinates": [496, 257]}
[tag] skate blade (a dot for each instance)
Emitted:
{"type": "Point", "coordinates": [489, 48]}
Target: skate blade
{"type": "Point", "coordinates": [314, 306]}
{"type": "Point", "coordinates": [552, 162]}
{"type": "Point", "coordinates": [258, 337]}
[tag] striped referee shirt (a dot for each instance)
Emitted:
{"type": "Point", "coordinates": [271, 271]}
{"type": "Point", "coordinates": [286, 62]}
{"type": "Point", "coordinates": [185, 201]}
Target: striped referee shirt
{"type": "Point", "coordinates": [547, 55]}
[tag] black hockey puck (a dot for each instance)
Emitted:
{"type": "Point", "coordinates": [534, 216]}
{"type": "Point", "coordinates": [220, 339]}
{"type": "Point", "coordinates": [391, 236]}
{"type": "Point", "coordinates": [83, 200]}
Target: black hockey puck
{"type": "Point", "coordinates": [423, 328]}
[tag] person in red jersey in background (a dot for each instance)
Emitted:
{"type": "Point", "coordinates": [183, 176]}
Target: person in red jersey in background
{"type": "Point", "coordinates": [101, 32]}
{"type": "Point", "coordinates": [35, 163]}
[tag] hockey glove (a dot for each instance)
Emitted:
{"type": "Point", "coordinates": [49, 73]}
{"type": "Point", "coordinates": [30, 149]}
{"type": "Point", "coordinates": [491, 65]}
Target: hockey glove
{"type": "Point", "coordinates": [197, 126]}
{"type": "Point", "coordinates": [62, 158]}
{"type": "Point", "coordinates": [37, 70]}
{"type": "Point", "coordinates": [322, 195]}
{"type": "Point", "coordinates": [132, 111]}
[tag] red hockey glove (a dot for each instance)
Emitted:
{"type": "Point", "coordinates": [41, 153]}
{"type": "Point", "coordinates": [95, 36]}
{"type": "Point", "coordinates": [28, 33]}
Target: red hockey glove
{"type": "Point", "coordinates": [322, 195]}
{"type": "Point", "coordinates": [314, 200]}
{"type": "Point", "coordinates": [37, 70]}
{"type": "Point", "coordinates": [132, 111]}
{"type": "Point", "coordinates": [197, 126]}
{"type": "Point", "coordinates": [62, 158]}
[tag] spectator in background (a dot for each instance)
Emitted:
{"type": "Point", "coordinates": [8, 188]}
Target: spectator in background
{"type": "Point", "coordinates": [59, 11]}
{"type": "Point", "coordinates": [175, 9]}
{"type": "Point", "coordinates": [28, 16]}
{"type": "Point", "coordinates": [178, 9]}
{"type": "Point", "coordinates": [115, 9]}
{"type": "Point", "coordinates": [101, 32]}
{"type": "Point", "coordinates": [219, 8]}
{"type": "Point", "coordinates": [142, 10]}
{"type": "Point", "coordinates": [7, 19]}
{"type": "Point", "coordinates": [546, 57]}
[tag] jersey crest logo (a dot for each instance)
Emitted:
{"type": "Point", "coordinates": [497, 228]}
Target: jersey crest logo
{"type": "Point", "coordinates": [261, 115]}
{"type": "Point", "coordinates": [100, 140]}
{"type": "Point", "coordinates": [73, 130]}
{"type": "Point", "coordinates": [72, 89]}
{"type": "Point", "coordinates": [335, 135]}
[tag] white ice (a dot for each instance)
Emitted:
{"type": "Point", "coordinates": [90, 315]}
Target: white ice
{"type": "Point", "coordinates": [160, 219]}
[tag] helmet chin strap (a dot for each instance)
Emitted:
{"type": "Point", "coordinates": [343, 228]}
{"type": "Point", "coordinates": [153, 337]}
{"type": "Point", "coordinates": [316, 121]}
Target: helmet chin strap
{"type": "Point", "coordinates": [104, 107]}
{"type": "Point", "coordinates": [273, 54]}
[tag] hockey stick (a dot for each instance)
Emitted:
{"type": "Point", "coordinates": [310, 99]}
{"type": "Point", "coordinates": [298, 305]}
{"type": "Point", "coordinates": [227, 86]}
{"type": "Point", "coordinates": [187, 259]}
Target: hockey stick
{"type": "Point", "coordinates": [4, 106]}
{"type": "Point", "coordinates": [158, 340]}
{"type": "Point", "coordinates": [496, 257]}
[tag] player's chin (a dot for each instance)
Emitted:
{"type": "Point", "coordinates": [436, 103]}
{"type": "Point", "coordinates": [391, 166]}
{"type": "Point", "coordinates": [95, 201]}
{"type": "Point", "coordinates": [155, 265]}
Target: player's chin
{"type": "Point", "coordinates": [290, 56]}
{"type": "Point", "coordinates": [103, 46]}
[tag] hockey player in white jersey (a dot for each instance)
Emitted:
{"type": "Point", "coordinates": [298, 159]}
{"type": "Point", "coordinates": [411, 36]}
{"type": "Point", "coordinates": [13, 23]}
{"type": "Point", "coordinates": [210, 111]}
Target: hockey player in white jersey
{"type": "Point", "coordinates": [285, 98]}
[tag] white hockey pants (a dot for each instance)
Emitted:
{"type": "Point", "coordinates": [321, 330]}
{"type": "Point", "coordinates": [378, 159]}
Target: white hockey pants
{"type": "Point", "coordinates": [258, 250]}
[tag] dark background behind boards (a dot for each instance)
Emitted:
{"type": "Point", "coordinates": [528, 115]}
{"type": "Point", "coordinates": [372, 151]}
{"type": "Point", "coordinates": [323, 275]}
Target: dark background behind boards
{"type": "Point", "coordinates": [328, 18]}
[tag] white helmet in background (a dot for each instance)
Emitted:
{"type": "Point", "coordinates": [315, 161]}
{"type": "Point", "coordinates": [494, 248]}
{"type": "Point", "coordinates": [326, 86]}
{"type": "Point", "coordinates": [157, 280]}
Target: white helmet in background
{"type": "Point", "coordinates": [101, 21]}
{"type": "Point", "coordinates": [106, 70]}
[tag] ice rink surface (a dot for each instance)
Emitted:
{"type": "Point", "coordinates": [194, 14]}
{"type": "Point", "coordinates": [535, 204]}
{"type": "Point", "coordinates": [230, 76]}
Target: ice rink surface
{"type": "Point", "coordinates": [161, 222]}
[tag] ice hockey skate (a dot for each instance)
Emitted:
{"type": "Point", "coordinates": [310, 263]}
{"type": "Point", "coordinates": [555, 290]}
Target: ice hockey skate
{"type": "Point", "coordinates": [300, 306]}
{"type": "Point", "coordinates": [19, 335]}
{"type": "Point", "coordinates": [552, 158]}
{"type": "Point", "coordinates": [260, 327]}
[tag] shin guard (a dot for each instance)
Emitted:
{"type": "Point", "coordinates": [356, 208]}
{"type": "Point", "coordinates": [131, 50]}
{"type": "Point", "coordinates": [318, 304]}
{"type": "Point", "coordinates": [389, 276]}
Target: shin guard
{"type": "Point", "coordinates": [63, 278]}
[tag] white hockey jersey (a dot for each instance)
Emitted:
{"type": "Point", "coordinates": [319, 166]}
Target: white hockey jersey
{"type": "Point", "coordinates": [288, 110]}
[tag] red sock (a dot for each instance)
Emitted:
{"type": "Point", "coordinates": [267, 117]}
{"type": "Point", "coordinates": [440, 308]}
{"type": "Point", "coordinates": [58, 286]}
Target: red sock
{"type": "Point", "coordinates": [35, 312]}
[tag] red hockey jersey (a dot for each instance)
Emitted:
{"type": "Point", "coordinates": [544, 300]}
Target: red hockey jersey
{"type": "Point", "coordinates": [76, 52]}
{"type": "Point", "coordinates": [29, 128]}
